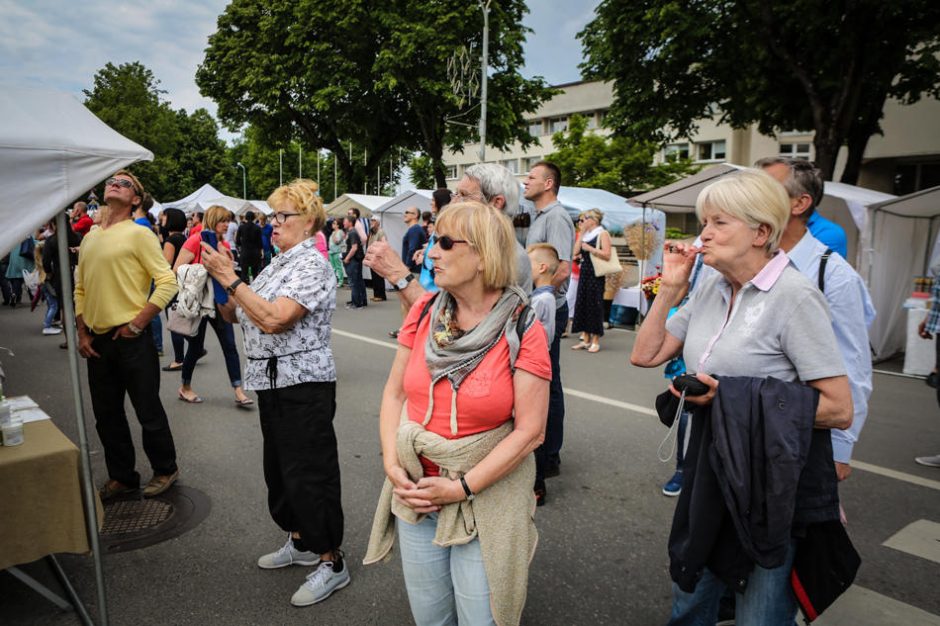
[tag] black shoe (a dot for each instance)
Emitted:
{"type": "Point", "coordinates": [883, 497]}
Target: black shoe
{"type": "Point", "coordinates": [931, 380]}
{"type": "Point", "coordinates": [540, 493]}
{"type": "Point", "coordinates": [393, 334]}
{"type": "Point", "coordinates": [552, 470]}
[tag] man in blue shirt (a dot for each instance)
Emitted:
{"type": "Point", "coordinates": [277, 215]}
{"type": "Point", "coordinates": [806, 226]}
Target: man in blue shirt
{"type": "Point", "coordinates": [850, 304]}
{"type": "Point", "coordinates": [828, 232]}
{"type": "Point", "coordinates": [414, 239]}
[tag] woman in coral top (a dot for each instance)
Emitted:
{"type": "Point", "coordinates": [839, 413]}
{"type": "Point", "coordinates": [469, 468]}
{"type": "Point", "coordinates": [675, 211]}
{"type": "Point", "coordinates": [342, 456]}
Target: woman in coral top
{"type": "Point", "coordinates": [463, 410]}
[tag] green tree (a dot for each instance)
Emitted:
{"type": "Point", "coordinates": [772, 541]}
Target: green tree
{"type": "Point", "coordinates": [782, 65]}
{"type": "Point", "coordinates": [127, 98]}
{"type": "Point", "coordinates": [201, 156]}
{"type": "Point", "coordinates": [618, 164]}
{"type": "Point", "coordinates": [422, 39]}
{"type": "Point", "coordinates": [422, 172]}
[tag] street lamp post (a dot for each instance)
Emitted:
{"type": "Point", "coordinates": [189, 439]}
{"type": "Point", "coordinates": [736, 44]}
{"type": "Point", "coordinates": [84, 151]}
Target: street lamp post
{"type": "Point", "coordinates": [244, 181]}
{"type": "Point", "coordinates": [485, 5]}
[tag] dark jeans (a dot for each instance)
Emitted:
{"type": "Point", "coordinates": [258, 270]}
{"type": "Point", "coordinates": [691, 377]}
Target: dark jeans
{"type": "Point", "coordinates": [378, 285]}
{"type": "Point", "coordinates": [301, 462]}
{"type": "Point", "coordinates": [356, 284]}
{"type": "Point", "coordinates": [5, 287]}
{"type": "Point", "coordinates": [251, 264]}
{"type": "Point", "coordinates": [226, 335]}
{"type": "Point", "coordinates": [548, 453]}
{"type": "Point", "coordinates": [129, 366]}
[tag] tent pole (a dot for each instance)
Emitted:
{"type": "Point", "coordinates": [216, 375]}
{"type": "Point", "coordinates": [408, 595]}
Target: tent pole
{"type": "Point", "coordinates": [88, 493]}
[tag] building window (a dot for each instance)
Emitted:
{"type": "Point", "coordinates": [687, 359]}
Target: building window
{"type": "Point", "coordinates": [796, 150]}
{"type": "Point", "coordinates": [711, 151]}
{"type": "Point", "coordinates": [531, 161]}
{"type": "Point", "coordinates": [451, 172]}
{"type": "Point", "coordinates": [559, 124]}
{"type": "Point", "coordinates": [511, 164]}
{"type": "Point", "coordinates": [591, 120]}
{"type": "Point", "coordinates": [676, 151]}
{"type": "Point", "coordinates": [535, 128]}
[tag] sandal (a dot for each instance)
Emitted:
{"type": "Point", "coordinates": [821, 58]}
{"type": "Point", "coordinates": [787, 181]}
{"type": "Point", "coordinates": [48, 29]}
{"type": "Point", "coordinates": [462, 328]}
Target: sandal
{"type": "Point", "coordinates": [244, 403]}
{"type": "Point", "coordinates": [595, 347]}
{"type": "Point", "coordinates": [193, 400]}
{"type": "Point", "coordinates": [581, 346]}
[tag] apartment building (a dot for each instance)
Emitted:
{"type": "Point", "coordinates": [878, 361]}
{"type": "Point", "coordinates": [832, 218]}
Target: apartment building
{"type": "Point", "coordinates": [905, 158]}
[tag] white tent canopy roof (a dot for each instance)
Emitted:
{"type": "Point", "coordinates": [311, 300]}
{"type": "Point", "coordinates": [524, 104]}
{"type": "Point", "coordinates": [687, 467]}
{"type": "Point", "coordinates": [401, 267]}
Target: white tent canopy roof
{"type": "Point", "coordinates": [924, 203]}
{"type": "Point", "coordinates": [366, 204]}
{"type": "Point", "coordinates": [187, 204]}
{"type": "Point", "coordinates": [156, 209]}
{"type": "Point", "coordinates": [679, 197]}
{"type": "Point", "coordinates": [52, 151]}
{"type": "Point", "coordinates": [261, 205]}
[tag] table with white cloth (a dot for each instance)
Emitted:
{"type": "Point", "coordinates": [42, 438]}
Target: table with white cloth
{"type": "Point", "coordinates": [631, 297]}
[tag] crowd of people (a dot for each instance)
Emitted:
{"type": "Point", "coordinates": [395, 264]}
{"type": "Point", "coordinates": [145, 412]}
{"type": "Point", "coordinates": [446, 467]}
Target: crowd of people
{"type": "Point", "coordinates": [471, 421]}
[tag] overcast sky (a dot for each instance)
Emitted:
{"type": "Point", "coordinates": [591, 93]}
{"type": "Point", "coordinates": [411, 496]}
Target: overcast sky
{"type": "Point", "coordinates": [62, 43]}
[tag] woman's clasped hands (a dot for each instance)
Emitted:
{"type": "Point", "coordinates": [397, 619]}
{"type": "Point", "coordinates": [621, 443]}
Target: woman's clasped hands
{"type": "Point", "coordinates": [428, 495]}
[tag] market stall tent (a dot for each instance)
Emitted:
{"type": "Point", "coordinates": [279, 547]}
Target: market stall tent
{"type": "Point", "coordinates": [187, 204]}
{"type": "Point", "coordinates": [262, 206]}
{"type": "Point", "coordinates": [391, 213]}
{"type": "Point", "coordinates": [366, 204]}
{"type": "Point", "coordinates": [896, 246]}
{"type": "Point", "coordinates": [52, 151]}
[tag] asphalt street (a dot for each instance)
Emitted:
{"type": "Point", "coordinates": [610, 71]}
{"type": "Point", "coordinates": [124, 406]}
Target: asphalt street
{"type": "Point", "coordinates": [601, 557]}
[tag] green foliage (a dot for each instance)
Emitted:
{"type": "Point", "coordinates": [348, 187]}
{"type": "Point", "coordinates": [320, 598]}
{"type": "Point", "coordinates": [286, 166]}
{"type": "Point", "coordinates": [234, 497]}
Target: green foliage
{"type": "Point", "coordinates": [187, 150]}
{"type": "Point", "coordinates": [782, 65]}
{"type": "Point", "coordinates": [367, 72]}
{"type": "Point", "coordinates": [676, 233]}
{"type": "Point", "coordinates": [618, 164]}
{"type": "Point", "coordinates": [422, 172]}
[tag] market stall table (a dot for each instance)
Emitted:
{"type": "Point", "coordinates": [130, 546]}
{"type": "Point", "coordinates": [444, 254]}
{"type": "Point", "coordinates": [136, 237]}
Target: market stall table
{"type": "Point", "coordinates": [41, 503]}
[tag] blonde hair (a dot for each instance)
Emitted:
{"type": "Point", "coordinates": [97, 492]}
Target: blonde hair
{"type": "Point", "coordinates": [596, 214]}
{"type": "Point", "coordinates": [545, 253]}
{"type": "Point", "coordinates": [491, 235]}
{"type": "Point", "coordinates": [215, 214]}
{"type": "Point", "coordinates": [752, 196]}
{"type": "Point", "coordinates": [301, 194]}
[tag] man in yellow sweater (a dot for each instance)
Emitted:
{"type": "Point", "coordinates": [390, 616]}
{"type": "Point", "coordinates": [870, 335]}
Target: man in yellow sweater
{"type": "Point", "coordinates": [113, 308]}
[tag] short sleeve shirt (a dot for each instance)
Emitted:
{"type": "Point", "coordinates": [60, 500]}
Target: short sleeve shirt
{"type": "Point", "coordinates": [553, 225]}
{"type": "Point", "coordinates": [304, 353]}
{"type": "Point", "coordinates": [485, 398]}
{"type": "Point", "coordinates": [779, 326]}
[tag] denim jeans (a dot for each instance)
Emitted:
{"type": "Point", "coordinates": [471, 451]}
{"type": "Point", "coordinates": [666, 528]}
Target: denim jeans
{"type": "Point", "coordinates": [156, 328]}
{"type": "Point", "coordinates": [52, 305]}
{"type": "Point", "coordinates": [356, 283]}
{"type": "Point", "coordinates": [226, 335]}
{"type": "Point", "coordinates": [446, 586]}
{"type": "Point", "coordinates": [767, 601]}
{"type": "Point", "coordinates": [129, 367]}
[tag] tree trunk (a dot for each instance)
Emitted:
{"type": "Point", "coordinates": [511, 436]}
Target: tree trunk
{"type": "Point", "coordinates": [827, 149]}
{"type": "Point", "coordinates": [857, 142]}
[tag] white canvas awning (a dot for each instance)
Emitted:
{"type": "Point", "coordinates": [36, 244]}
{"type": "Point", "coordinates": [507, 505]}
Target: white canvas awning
{"type": "Point", "coordinates": [188, 204]}
{"type": "Point", "coordinates": [52, 151]}
{"type": "Point", "coordinates": [366, 204]}
{"type": "Point", "coordinates": [262, 206]}
{"type": "Point", "coordinates": [391, 213]}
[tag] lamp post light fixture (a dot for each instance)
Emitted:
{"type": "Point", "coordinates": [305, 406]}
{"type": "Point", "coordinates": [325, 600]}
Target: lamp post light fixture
{"type": "Point", "coordinates": [244, 181]}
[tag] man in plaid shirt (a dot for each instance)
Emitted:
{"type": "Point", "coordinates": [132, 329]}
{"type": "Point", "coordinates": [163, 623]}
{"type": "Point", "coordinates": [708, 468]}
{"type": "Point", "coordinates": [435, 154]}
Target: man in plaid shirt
{"type": "Point", "coordinates": [927, 329]}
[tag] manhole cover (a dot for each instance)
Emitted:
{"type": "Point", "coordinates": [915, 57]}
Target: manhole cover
{"type": "Point", "coordinates": [135, 522]}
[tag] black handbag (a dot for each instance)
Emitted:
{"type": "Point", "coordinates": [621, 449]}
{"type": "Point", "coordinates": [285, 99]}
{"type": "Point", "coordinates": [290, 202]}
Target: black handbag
{"type": "Point", "coordinates": [824, 566]}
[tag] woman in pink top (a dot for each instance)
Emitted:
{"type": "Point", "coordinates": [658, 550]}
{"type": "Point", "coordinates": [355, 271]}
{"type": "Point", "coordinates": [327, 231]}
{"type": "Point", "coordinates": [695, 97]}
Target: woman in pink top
{"type": "Point", "coordinates": [465, 363]}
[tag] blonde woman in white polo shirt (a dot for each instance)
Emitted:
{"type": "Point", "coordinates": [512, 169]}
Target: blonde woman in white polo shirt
{"type": "Point", "coordinates": [757, 316]}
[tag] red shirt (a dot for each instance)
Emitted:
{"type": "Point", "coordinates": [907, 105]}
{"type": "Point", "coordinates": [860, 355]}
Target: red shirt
{"type": "Point", "coordinates": [192, 244]}
{"type": "Point", "coordinates": [195, 229]}
{"type": "Point", "coordinates": [485, 398]}
{"type": "Point", "coordinates": [82, 225]}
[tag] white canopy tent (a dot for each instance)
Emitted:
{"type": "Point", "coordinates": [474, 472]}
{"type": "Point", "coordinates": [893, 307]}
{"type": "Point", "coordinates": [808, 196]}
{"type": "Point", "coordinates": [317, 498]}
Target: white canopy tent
{"type": "Point", "coordinates": [366, 204]}
{"type": "Point", "coordinates": [391, 213]}
{"type": "Point", "coordinates": [262, 206]}
{"type": "Point", "coordinates": [52, 151]}
{"type": "Point", "coordinates": [187, 204]}
{"type": "Point", "coordinates": [156, 209]}
{"type": "Point", "coordinates": [235, 205]}
{"type": "Point", "coordinates": [896, 245]}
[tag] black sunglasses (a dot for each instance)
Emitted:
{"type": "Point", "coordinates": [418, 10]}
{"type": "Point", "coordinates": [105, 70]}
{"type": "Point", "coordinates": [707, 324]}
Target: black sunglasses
{"type": "Point", "coordinates": [121, 182]}
{"type": "Point", "coordinates": [446, 242]}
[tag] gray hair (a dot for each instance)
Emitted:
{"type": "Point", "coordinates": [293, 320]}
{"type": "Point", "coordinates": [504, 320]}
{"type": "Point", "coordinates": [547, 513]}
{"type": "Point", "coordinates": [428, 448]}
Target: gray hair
{"type": "Point", "coordinates": [804, 177]}
{"type": "Point", "coordinates": [496, 180]}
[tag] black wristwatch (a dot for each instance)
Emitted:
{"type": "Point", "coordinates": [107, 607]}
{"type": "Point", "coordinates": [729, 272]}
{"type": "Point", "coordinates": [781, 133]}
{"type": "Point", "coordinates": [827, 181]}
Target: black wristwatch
{"type": "Point", "coordinates": [466, 490]}
{"type": "Point", "coordinates": [404, 281]}
{"type": "Point", "coordinates": [231, 288]}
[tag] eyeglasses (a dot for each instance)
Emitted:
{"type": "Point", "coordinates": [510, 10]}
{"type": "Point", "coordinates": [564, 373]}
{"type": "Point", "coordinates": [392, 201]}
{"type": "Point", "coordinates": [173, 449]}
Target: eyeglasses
{"type": "Point", "coordinates": [281, 216]}
{"type": "Point", "coordinates": [447, 242]}
{"type": "Point", "coordinates": [121, 182]}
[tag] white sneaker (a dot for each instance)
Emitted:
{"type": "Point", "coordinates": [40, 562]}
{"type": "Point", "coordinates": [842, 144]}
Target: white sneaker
{"type": "Point", "coordinates": [929, 461]}
{"type": "Point", "coordinates": [320, 584]}
{"type": "Point", "coordinates": [52, 330]}
{"type": "Point", "coordinates": [288, 555]}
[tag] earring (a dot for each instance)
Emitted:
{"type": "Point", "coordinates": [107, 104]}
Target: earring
{"type": "Point", "coordinates": [306, 233]}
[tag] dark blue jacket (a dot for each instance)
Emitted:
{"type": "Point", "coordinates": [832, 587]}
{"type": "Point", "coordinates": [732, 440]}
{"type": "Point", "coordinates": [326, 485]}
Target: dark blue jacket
{"type": "Point", "coordinates": [755, 472]}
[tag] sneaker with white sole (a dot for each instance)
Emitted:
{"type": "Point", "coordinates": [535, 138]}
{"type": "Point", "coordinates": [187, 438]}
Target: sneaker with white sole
{"type": "Point", "coordinates": [674, 486]}
{"type": "Point", "coordinates": [321, 583]}
{"type": "Point", "coordinates": [929, 461]}
{"type": "Point", "coordinates": [52, 330]}
{"type": "Point", "coordinates": [288, 555]}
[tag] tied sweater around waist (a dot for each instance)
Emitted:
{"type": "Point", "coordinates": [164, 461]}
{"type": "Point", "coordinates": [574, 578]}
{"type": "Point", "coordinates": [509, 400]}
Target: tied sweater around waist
{"type": "Point", "coordinates": [501, 516]}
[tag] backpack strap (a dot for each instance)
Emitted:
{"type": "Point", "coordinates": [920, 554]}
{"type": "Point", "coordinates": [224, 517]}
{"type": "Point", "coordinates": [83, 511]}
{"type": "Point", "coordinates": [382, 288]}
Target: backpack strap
{"type": "Point", "coordinates": [426, 308]}
{"type": "Point", "coordinates": [822, 269]}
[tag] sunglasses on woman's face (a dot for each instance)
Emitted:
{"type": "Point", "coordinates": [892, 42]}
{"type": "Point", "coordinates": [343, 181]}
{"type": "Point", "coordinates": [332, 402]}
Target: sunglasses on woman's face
{"type": "Point", "coordinates": [447, 242]}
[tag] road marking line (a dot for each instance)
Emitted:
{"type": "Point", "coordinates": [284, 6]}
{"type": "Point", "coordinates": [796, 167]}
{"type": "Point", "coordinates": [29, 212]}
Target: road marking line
{"type": "Point", "coordinates": [920, 538]}
{"type": "Point", "coordinates": [642, 410]}
{"type": "Point", "coordinates": [859, 605]}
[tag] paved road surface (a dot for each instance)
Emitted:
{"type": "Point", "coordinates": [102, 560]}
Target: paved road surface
{"type": "Point", "coordinates": [602, 551]}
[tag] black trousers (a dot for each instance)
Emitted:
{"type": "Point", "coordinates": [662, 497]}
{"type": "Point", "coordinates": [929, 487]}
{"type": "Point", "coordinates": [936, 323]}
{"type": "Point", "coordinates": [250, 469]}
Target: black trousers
{"type": "Point", "coordinates": [301, 462]}
{"type": "Point", "coordinates": [378, 285]}
{"type": "Point", "coordinates": [251, 265]}
{"type": "Point", "coordinates": [129, 366]}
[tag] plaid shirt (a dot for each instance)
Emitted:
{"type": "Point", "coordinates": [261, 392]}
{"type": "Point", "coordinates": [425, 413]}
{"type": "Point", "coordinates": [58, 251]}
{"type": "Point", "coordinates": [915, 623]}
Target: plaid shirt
{"type": "Point", "coordinates": [933, 315]}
